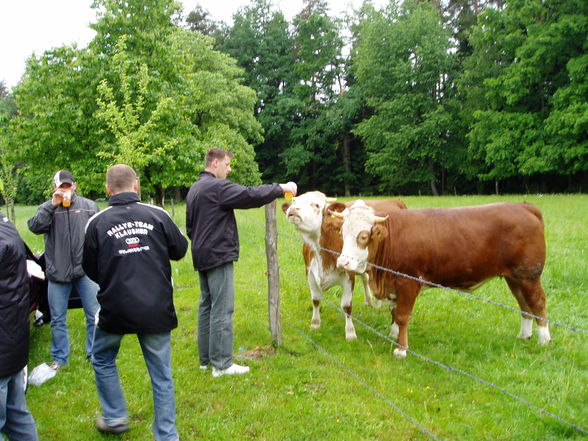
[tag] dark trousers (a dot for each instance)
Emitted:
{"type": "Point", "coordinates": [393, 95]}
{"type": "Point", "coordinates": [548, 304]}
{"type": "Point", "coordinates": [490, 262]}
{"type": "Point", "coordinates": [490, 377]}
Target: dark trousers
{"type": "Point", "coordinates": [215, 316]}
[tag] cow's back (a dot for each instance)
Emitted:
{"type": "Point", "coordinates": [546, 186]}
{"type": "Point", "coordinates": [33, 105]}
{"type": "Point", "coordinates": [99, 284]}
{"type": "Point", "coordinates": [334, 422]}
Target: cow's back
{"type": "Point", "coordinates": [461, 247]}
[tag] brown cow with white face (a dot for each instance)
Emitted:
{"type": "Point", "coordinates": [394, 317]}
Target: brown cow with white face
{"type": "Point", "coordinates": [454, 247]}
{"type": "Point", "coordinates": [309, 213]}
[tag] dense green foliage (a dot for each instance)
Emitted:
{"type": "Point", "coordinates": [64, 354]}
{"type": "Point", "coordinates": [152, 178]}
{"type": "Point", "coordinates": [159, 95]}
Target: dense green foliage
{"type": "Point", "coordinates": [297, 393]}
{"type": "Point", "coordinates": [145, 92]}
{"type": "Point", "coordinates": [456, 96]}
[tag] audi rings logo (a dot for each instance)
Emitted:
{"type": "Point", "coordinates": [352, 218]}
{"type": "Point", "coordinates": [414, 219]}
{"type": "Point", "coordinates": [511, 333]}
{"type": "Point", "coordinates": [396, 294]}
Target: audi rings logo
{"type": "Point", "coordinates": [132, 241]}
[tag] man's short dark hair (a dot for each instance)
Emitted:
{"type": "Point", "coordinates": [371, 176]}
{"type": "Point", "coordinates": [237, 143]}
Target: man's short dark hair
{"type": "Point", "coordinates": [216, 153]}
{"type": "Point", "coordinates": [120, 177]}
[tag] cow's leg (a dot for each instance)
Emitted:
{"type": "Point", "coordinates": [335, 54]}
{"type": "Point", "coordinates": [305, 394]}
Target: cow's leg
{"type": "Point", "coordinates": [347, 306]}
{"type": "Point", "coordinates": [531, 298]}
{"type": "Point", "coordinates": [316, 296]}
{"type": "Point", "coordinates": [526, 330]}
{"type": "Point", "coordinates": [535, 297]}
{"type": "Point", "coordinates": [406, 294]}
{"type": "Point", "coordinates": [394, 326]}
{"type": "Point", "coordinates": [368, 297]}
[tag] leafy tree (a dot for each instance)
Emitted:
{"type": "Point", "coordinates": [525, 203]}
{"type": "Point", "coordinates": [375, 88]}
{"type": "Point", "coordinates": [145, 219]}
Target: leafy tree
{"type": "Point", "coordinates": [199, 20]}
{"type": "Point", "coordinates": [8, 167]}
{"type": "Point", "coordinates": [401, 63]}
{"type": "Point", "coordinates": [313, 149]}
{"type": "Point", "coordinates": [262, 44]}
{"type": "Point", "coordinates": [531, 118]}
{"type": "Point", "coordinates": [144, 91]}
{"type": "Point", "coordinates": [3, 90]}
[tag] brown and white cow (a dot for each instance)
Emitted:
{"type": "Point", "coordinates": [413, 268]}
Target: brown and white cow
{"type": "Point", "coordinates": [309, 213]}
{"type": "Point", "coordinates": [454, 247]}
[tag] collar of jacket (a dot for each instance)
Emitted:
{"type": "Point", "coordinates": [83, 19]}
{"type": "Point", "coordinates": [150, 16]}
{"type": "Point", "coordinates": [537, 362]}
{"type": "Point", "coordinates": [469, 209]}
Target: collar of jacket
{"type": "Point", "coordinates": [126, 197]}
{"type": "Point", "coordinates": [205, 173]}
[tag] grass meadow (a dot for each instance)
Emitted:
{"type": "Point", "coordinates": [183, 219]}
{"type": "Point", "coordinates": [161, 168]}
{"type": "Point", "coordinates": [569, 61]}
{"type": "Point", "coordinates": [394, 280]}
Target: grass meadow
{"type": "Point", "coordinates": [318, 386]}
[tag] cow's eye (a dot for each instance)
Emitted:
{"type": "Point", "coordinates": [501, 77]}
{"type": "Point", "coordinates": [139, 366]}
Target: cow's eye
{"type": "Point", "coordinates": [363, 238]}
{"type": "Point", "coordinates": [316, 207]}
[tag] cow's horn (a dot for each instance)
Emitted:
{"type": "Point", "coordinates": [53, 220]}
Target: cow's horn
{"type": "Point", "coordinates": [379, 219]}
{"type": "Point", "coordinates": [336, 213]}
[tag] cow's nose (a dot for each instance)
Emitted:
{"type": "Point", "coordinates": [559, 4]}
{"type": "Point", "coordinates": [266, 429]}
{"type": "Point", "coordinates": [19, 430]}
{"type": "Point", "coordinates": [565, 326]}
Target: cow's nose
{"type": "Point", "coordinates": [342, 262]}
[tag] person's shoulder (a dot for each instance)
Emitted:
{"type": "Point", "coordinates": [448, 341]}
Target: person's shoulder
{"type": "Point", "coordinates": [159, 211]}
{"type": "Point", "coordinates": [86, 201]}
{"type": "Point", "coordinates": [6, 225]}
{"type": "Point", "coordinates": [97, 216]}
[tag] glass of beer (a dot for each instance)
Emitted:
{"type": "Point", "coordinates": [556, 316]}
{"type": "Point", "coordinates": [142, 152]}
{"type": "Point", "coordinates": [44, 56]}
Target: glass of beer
{"type": "Point", "coordinates": [66, 199]}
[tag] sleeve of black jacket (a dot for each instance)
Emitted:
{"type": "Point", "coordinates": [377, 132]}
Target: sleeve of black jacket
{"type": "Point", "coordinates": [40, 223]}
{"type": "Point", "coordinates": [90, 253]}
{"type": "Point", "coordinates": [238, 196]}
{"type": "Point", "coordinates": [177, 244]}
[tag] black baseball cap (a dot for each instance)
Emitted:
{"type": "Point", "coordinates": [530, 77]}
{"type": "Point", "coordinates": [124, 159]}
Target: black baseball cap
{"type": "Point", "coordinates": [63, 177]}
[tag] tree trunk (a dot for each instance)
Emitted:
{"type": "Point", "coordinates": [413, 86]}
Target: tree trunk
{"type": "Point", "coordinates": [432, 181]}
{"type": "Point", "coordinates": [496, 186]}
{"type": "Point", "coordinates": [346, 163]}
{"type": "Point", "coordinates": [434, 188]}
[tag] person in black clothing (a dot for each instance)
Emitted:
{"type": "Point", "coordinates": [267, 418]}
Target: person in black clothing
{"type": "Point", "coordinates": [127, 251]}
{"type": "Point", "coordinates": [211, 225]}
{"type": "Point", "coordinates": [62, 221]}
{"type": "Point", "coordinates": [16, 422]}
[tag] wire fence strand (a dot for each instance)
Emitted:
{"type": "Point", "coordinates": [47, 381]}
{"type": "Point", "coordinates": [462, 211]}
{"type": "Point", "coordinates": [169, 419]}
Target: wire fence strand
{"type": "Point", "coordinates": [434, 362]}
{"type": "Point", "coordinates": [445, 288]}
{"type": "Point", "coordinates": [347, 370]}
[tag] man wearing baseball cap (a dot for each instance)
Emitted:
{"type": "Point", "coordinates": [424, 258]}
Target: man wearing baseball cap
{"type": "Point", "coordinates": [63, 220]}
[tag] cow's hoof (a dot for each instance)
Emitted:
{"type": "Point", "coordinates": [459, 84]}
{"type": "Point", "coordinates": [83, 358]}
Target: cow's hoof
{"type": "Point", "coordinates": [350, 336]}
{"type": "Point", "coordinates": [399, 353]}
{"type": "Point", "coordinates": [543, 334]}
{"type": "Point", "coordinates": [526, 330]}
{"type": "Point", "coordinates": [315, 325]}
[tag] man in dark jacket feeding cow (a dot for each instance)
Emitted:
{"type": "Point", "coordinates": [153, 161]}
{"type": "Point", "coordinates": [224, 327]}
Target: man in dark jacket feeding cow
{"type": "Point", "coordinates": [211, 225]}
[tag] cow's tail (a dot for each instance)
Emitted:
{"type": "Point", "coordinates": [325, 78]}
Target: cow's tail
{"type": "Point", "coordinates": [534, 210]}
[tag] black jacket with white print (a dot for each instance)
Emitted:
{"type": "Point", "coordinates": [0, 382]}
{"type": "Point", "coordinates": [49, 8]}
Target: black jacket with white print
{"type": "Point", "coordinates": [127, 251]}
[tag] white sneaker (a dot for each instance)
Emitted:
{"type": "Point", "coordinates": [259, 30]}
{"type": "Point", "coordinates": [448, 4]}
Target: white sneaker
{"type": "Point", "coordinates": [203, 367]}
{"type": "Point", "coordinates": [231, 370]}
{"type": "Point", "coordinates": [42, 373]}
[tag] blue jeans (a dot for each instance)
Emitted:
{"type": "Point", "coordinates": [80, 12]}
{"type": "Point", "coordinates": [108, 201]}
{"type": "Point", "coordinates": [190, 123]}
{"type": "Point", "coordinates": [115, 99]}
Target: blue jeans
{"type": "Point", "coordinates": [58, 296]}
{"type": "Point", "coordinates": [157, 354]}
{"type": "Point", "coordinates": [16, 422]}
{"type": "Point", "coordinates": [215, 316]}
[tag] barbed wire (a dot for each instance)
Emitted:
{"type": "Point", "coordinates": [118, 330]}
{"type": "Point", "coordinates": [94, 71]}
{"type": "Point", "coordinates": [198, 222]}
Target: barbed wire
{"type": "Point", "coordinates": [434, 362]}
{"type": "Point", "coordinates": [467, 294]}
{"type": "Point", "coordinates": [445, 288]}
{"type": "Point", "coordinates": [347, 370]}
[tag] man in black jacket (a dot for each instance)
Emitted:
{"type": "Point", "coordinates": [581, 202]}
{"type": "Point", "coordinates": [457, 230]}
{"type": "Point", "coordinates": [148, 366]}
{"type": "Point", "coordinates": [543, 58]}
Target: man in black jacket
{"type": "Point", "coordinates": [62, 221]}
{"type": "Point", "coordinates": [16, 422]}
{"type": "Point", "coordinates": [127, 251]}
{"type": "Point", "coordinates": [211, 225]}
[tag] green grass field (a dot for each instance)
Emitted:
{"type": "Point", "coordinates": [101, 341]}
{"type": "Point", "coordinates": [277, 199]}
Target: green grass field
{"type": "Point", "coordinates": [296, 392]}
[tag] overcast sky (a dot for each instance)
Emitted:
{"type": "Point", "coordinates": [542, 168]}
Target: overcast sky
{"type": "Point", "coordinates": [34, 26]}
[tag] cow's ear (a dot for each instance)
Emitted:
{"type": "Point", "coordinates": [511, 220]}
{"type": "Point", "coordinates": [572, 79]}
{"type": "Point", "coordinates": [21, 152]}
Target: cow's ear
{"type": "Point", "coordinates": [285, 206]}
{"type": "Point", "coordinates": [379, 232]}
{"type": "Point", "coordinates": [331, 223]}
{"type": "Point", "coordinates": [337, 207]}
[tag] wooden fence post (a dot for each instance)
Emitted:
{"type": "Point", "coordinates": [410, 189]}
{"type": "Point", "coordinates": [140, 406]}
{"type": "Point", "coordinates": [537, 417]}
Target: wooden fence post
{"type": "Point", "coordinates": [273, 273]}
